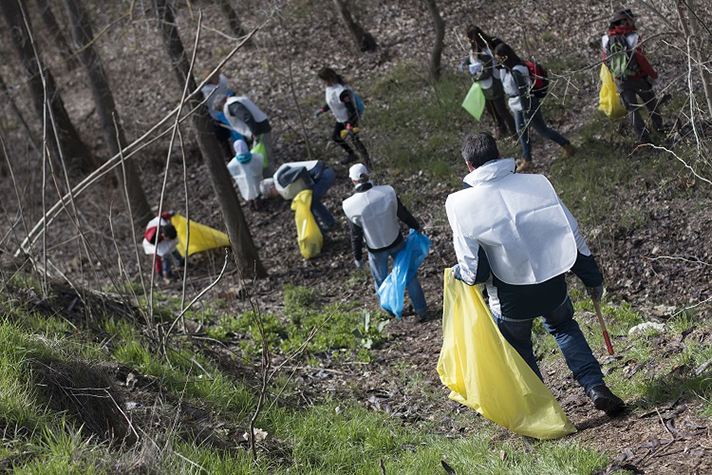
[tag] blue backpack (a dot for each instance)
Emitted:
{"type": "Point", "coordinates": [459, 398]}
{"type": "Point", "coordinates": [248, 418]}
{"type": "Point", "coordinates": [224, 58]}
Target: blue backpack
{"type": "Point", "coordinates": [359, 103]}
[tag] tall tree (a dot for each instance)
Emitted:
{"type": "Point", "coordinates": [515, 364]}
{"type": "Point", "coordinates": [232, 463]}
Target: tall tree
{"type": "Point", "coordinates": [75, 153]}
{"type": "Point", "coordinates": [244, 248]}
{"type": "Point", "coordinates": [106, 108]}
{"type": "Point", "coordinates": [232, 19]}
{"type": "Point", "coordinates": [437, 52]}
{"type": "Point", "coordinates": [53, 28]}
{"type": "Point", "coordinates": [364, 40]}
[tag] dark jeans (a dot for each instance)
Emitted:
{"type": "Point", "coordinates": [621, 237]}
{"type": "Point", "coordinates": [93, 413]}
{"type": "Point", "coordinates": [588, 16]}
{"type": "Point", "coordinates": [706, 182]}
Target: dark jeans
{"type": "Point", "coordinates": [534, 118]}
{"type": "Point", "coordinates": [336, 137]}
{"type": "Point", "coordinates": [561, 324]}
{"type": "Point", "coordinates": [324, 218]}
{"type": "Point", "coordinates": [503, 119]}
{"type": "Point", "coordinates": [630, 90]}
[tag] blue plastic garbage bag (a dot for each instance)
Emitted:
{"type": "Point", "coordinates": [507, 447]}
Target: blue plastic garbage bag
{"type": "Point", "coordinates": [391, 293]}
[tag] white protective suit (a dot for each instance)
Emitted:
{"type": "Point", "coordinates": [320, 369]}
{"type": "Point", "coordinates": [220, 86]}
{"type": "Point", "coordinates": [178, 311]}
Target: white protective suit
{"type": "Point", "coordinates": [528, 234]}
{"type": "Point", "coordinates": [376, 212]}
{"type": "Point", "coordinates": [237, 124]}
{"type": "Point", "coordinates": [248, 175]}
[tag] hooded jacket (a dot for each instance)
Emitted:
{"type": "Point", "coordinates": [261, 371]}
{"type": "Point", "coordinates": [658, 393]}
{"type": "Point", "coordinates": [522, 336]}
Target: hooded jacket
{"type": "Point", "coordinates": [513, 232]}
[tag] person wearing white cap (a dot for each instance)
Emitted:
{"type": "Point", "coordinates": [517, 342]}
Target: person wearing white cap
{"type": "Point", "coordinates": [373, 213]}
{"type": "Point", "coordinates": [246, 169]}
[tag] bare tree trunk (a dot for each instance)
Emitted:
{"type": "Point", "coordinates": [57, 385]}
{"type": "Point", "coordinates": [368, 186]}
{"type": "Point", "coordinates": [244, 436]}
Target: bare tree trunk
{"type": "Point", "coordinates": [364, 39]}
{"type": "Point", "coordinates": [55, 31]}
{"type": "Point", "coordinates": [233, 19]}
{"type": "Point", "coordinates": [246, 255]}
{"type": "Point", "coordinates": [106, 108]}
{"type": "Point", "coordinates": [437, 52]}
{"type": "Point", "coordinates": [75, 152]}
{"type": "Point", "coordinates": [694, 33]}
{"type": "Point", "coordinates": [32, 138]}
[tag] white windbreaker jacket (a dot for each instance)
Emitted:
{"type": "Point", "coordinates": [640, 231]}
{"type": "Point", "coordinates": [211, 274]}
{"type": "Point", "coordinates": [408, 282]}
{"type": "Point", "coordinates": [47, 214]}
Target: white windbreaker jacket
{"type": "Point", "coordinates": [528, 234]}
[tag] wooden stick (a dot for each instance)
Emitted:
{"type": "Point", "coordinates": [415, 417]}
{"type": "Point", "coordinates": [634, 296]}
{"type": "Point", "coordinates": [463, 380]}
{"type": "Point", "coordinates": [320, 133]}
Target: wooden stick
{"type": "Point", "coordinates": [597, 306]}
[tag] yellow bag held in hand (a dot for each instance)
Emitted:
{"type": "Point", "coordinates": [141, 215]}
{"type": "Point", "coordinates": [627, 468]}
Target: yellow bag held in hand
{"type": "Point", "coordinates": [308, 232]}
{"type": "Point", "coordinates": [202, 237]}
{"type": "Point", "coordinates": [486, 374]}
{"type": "Point", "coordinates": [474, 102]}
{"type": "Point", "coordinates": [609, 100]}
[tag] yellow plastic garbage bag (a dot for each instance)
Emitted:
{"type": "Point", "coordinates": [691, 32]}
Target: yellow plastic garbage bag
{"type": "Point", "coordinates": [262, 150]}
{"type": "Point", "coordinates": [202, 237]}
{"type": "Point", "coordinates": [474, 102]}
{"type": "Point", "coordinates": [486, 374]}
{"type": "Point", "coordinates": [308, 232]}
{"type": "Point", "coordinates": [609, 100]}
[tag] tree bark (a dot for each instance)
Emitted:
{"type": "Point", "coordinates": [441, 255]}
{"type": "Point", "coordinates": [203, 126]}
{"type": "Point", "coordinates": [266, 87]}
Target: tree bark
{"type": "Point", "coordinates": [55, 31]}
{"type": "Point", "coordinates": [32, 138]}
{"type": "Point", "coordinates": [694, 32]}
{"type": "Point", "coordinates": [106, 108]}
{"type": "Point", "coordinates": [364, 40]}
{"type": "Point", "coordinates": [245, 251]}
{"type": "Point", "coordinates": [75, 153]}
{"type": "Point", "coordinates": [437, 52]}
{"type": "Point", "coordinates": [232, 19]}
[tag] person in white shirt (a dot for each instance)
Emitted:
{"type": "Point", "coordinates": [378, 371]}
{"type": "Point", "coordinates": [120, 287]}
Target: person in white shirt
{"type": "Point", "coordinates": [512, 232]}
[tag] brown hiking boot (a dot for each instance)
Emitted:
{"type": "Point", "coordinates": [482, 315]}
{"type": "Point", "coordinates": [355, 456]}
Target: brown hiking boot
{"type": "Point", "coordinates": [568, 150]}
{"type": "Point", "coordinates": [525, 166]}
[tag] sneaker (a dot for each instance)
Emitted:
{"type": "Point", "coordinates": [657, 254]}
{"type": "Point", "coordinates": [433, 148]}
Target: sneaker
{"type": "Point", "coordinates": [525, 166]}
{"type": "Point", "coordinates": [349, 159]}
{"type": "Point", "coordinates": [605, 400]}
{"type": "Point", "coordinates": [568, 150]}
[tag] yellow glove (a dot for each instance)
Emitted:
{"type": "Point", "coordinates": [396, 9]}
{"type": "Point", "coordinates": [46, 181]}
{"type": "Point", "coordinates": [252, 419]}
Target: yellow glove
{"type": "Point", "coordinates": [349, 130]}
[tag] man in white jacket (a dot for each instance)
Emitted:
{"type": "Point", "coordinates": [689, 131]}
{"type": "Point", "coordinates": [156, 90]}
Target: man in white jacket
{"type": "Point", "coordinates": [512, 232]}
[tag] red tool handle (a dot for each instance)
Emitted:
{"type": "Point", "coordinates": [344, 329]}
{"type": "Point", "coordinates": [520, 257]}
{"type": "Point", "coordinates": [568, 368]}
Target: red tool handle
{"type": "Point", "coordinates": [597, 306]}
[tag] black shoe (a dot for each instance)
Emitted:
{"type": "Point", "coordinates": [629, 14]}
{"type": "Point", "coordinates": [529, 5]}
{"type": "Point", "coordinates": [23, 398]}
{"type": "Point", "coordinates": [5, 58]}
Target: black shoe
{"type": "Point", "coordinates": [605, 400]}
{"type": "Point", "coordinates": [349, 159]}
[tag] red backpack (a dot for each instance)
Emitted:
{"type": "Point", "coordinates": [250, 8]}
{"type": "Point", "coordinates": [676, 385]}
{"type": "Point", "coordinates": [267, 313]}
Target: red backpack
{"type": "Point", "coordinates": [539, 78]}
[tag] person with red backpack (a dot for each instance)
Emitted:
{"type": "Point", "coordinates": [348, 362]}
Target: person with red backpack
{"type": "Point", "coordinates": [633, 74]}
{"type": "Point", "coordinates": [524, 84]}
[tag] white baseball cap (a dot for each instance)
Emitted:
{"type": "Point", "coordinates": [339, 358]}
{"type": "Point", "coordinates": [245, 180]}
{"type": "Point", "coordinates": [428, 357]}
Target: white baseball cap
{"type": "Point", "coordinates": [356, 171]}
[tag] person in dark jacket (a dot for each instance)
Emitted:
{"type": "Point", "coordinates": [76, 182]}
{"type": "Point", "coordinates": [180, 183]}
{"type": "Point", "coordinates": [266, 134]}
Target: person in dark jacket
{"type": "Point", "coordinates": [634, 76]}
{"type": "Point", "coordinates": [373, 213]}
{"type": "Point", "coordinates": [525, 106]}
{"type": "Point", "coordinates": [480, 64]}
{"type": "Point", "coordinates": [340, 100]}
{"type": "Point", "coordinates": [513, 233]}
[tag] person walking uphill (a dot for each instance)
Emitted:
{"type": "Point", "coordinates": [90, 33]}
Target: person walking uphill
{"type": "Point", "coordinates": [249, 121]}
{"type": "Point", "coordinates": [525, 106]}
{"type": "Point", "coordinates": [480, 63]}
{"type": "Point", "coordinates": [373, 213]}
{"type": "Point", "coordinates": [513, 232]}
{"type": "Point", "coordinates": [340, 100]}
{"type": "Point", "coordinates": [633, 74]}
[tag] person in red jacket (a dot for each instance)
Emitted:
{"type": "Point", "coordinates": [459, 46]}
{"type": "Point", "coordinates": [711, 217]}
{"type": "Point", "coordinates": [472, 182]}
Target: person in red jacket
{"type": "Point", "coordinates": [633, 74]}
{"type": "Point", "coordinates": [160, 238]}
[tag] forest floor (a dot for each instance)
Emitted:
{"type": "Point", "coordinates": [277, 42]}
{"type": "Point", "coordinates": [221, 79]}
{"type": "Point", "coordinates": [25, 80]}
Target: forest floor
{"type": "Point", "coordinates": [645, 215]}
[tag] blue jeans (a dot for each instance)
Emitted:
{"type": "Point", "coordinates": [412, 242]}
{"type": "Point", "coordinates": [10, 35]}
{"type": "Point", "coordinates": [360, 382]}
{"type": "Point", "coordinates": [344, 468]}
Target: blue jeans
{"type": "Point", "coordinates": [167, 261]}
{"type": "Point", "coordinates": [561, 324]}
{"type": "Point", "coordinates": [378, 262]}
{"type": "Point", "coordinates": [324, 219]}
{"type": "Point", "coordinates": [534, 118]}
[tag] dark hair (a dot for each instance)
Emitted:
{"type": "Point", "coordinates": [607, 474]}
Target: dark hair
{"type": "Point", "coordinates": [510, 57]}
{"type": "Point", "coordinates": [478, 38]}
{"type": "Point", "coordinates": [479, 148]}
{"type": "Point", "coordinates": [169, 231]}
{"type": "Point", "coordinates": [329, 76]}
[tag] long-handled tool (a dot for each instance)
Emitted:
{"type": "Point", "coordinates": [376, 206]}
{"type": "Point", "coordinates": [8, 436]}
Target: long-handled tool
{"type": "Point", "coordinates": [597, 306]}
